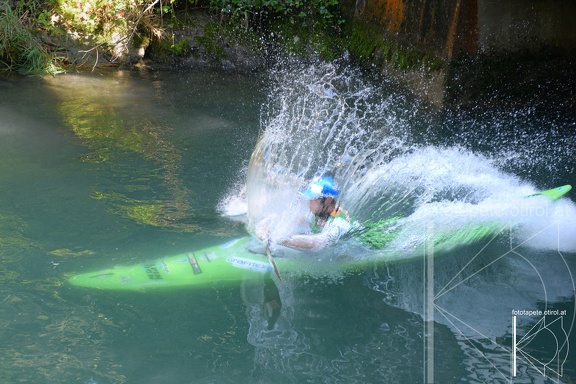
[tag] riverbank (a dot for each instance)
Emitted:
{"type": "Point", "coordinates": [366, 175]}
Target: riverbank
{"type": "Point", "coordinates": [51, 38]}
{"type": "Point", "coordinates": [205, 38]}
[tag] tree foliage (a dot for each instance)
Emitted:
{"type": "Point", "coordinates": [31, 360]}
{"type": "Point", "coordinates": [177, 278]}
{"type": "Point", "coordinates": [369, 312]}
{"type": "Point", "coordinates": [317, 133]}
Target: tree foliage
{"type": "Point", "coordinates": [39, 36]}
{"type": "Point", "coordinates": [35, 35]}
{"type": "Point", "coordinates": [324, 12]}
{"type": "Point", "coordinates": [20, 50]}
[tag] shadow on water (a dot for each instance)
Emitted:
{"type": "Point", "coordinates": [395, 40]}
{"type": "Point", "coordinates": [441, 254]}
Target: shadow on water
{"type": "Point", "coordinates": [118, 168]}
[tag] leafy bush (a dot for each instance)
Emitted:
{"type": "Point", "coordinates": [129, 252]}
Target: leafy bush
{"type": "Point", "coordinates": [20, 50]}
{"type": "Point", "coordinates": [324, 12]}
{"type": "Point", "coordinates": [31, 29]}
{"type": "Point", "coordinates": [109, 24]}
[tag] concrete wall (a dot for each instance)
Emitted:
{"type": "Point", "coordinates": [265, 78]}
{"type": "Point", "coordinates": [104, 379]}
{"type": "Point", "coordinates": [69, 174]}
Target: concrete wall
{"type": "Point", "coordinates": [536, 32]}
{"type": "Point", "coordinates": [454, 27]}
{"type": "Point", "coordinates": [514, 25]}
{"type": "Point", "coordinates": [444, 26]}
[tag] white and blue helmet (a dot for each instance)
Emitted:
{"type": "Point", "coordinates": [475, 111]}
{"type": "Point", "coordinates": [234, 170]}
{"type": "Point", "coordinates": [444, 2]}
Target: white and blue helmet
{"type": "Point", "coordinates": [323, 186]}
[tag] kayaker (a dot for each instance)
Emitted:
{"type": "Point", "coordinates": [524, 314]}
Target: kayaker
{"type": "Point", "coordinates": [328, 221]}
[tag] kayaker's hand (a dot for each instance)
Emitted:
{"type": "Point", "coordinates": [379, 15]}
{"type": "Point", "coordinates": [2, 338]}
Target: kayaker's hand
{"type": "Point", "coordinates": [263, 233]}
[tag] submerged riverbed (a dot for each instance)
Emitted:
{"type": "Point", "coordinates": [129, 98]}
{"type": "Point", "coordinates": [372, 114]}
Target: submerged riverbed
{"type": "Point", "coordinates": [100, 169]}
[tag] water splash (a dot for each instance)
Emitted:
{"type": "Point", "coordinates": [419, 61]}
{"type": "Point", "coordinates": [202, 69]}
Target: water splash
{"type": "Point", "coordinates": [322, 119]}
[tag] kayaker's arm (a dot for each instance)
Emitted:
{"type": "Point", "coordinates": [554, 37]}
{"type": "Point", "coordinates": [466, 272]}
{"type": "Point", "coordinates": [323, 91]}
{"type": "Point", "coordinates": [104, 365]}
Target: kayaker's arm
{"type": "Point", "coordinates": [316, 241]}
{"type": "Point", "coordinates": [306, 242]}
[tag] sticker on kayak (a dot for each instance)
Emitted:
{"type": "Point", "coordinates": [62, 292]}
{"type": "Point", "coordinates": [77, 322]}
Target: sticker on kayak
{"type": "Point", "coordinates": [194, 263]}
{"type": "Point", "coordinates": [252, 265]}
{"type": "Point", "coordinates": [151, 270]}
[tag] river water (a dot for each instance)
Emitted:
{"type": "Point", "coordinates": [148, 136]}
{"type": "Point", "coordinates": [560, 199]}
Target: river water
{"type": "Point", "coordinates": [101, 169]}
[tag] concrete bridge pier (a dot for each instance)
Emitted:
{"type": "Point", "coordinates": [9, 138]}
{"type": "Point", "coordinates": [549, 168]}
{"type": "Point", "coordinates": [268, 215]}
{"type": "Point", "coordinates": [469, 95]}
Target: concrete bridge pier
{"type": "Point", "coordinates": [469, 47]}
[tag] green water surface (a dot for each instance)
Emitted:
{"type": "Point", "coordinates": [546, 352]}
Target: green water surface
{"type": "Point", "coordinates": [98, 169]}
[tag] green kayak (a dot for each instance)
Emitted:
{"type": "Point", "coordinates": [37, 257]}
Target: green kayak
{"type": "Point", "coordinates": [233, 261]}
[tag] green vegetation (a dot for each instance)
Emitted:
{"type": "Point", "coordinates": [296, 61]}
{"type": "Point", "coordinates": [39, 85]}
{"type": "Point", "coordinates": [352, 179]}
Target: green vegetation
{"type": "Point", "coordinates": [315, 40]}
{"type": "Point", "coordinates": [20, 49]}
{"type": "Point", "coordinates": [305, 13]}
{"type": "Point", "coordinates": [294, 26]}
{"type": "Point", "coordinates": [39, 36]}
{"type": "Point", "coordinates": [42, 36]}
{"type": "Point", "coordinates": [211, 39]}
{"type": "Point", "coordinates": [368, 45]}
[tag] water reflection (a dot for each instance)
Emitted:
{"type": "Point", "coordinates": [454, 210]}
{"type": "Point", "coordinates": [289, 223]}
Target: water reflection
{"type": "Point", "coordinates": [67, 145]}
{"type": "Point", "coordinates": [329, 332]}
{"type": "Point", "coordinates": [121, 131]}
